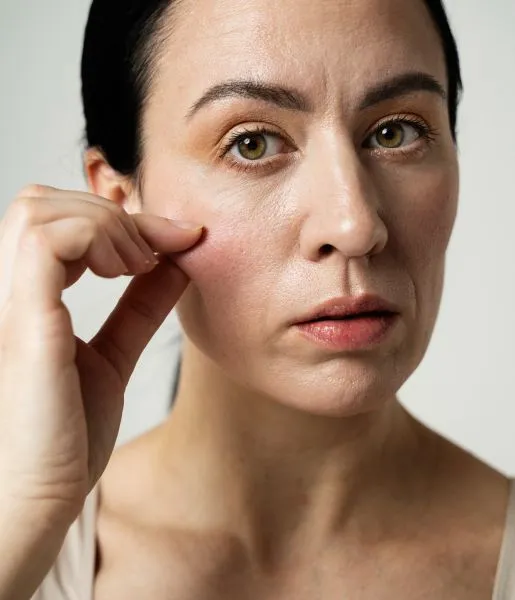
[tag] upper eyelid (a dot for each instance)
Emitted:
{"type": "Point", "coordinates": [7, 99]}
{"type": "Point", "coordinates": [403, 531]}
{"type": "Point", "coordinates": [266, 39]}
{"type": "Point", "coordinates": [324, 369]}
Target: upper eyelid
{"type": "Point", "coordinates": [410, 119]}
{"type": "Point", "coordinates": [420, 126]}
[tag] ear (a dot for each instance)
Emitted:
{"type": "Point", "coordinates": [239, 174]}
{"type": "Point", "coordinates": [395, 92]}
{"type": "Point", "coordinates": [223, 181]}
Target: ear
{"type": "Point", "coordinates": [104, 181]}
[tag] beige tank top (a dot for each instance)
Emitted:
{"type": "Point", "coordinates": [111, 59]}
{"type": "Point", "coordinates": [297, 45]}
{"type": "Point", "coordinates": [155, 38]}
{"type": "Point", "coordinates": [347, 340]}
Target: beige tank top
{"type": "Point", "coordinates": [73, 574]}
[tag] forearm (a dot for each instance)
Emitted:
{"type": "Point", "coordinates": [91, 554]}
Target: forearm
{"type": "Point", "coordinates": [30, 540]}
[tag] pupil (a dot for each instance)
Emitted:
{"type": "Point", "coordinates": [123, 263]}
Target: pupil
{"type": "Point", "coordinates": [251, 144]}
{"type": "Point", "coordinates": [388, 133]}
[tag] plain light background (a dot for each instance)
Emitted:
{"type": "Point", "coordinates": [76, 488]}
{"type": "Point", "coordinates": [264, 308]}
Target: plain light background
{"type": "Point", "coordinates": [465, 386]}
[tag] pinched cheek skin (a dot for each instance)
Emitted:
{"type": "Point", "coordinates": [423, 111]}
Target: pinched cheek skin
{"type": "Point", "coordinates": [221, 310]}
{"type": "Point", "coordinates": [236, 241]}
{"type": "Point", "coordinates": [215, 258]}
{"type": "Point", "coordinates": [227, 256]}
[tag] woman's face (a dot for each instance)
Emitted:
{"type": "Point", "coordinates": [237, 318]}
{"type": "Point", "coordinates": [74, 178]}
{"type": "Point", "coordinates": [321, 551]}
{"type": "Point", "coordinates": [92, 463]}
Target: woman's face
{"type": "Point", "coordinates": [317, 198]}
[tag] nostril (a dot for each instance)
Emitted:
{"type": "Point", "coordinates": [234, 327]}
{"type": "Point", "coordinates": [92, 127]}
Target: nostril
{"type": "Point", "coordinates": [326, 249]}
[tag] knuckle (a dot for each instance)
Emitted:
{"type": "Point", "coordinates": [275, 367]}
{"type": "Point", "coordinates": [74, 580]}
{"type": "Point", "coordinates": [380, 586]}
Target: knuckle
{"type": "Point", "coordinates": [143, 309]}
{"type": "Point", "coordinates": [119, 215]}
{"type": "Point", "coordinates": [33, 190]}
{"type": "Point", "coordinates": [112, 352]}
{"type": "Point", "coordinates": [117, 210]}
{"type": "Point", "coordinates": [106, 218]}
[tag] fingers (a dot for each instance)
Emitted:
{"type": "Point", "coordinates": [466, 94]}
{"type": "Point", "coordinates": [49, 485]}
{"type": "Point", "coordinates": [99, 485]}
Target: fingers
{"type": "Point", "coordinates": [140, 312]}
{"type": "Point", "coordinates": [165, 235]}
{"type": "Point", "coordinates": [79, 231]}
{"type": "Point", "coordinates": [30, 212]}
{"type": "Point", "coordinates": [64, 198]}
{"type": "Point", "coordinates": [40, 275]}
{"type": "Point", "coordinates": [151, 233]}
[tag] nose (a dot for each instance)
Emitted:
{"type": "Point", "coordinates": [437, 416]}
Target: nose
{"type": "Point", "coordinates": [341, 206]}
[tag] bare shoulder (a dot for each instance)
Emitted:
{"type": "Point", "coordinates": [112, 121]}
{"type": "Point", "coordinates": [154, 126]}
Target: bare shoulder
{"type": "Point", "coordinates": [143, 552]}
{"type": "Point", "coordinates": [127, 476]}
{"type": "Point", "coordinates": [471, 503]}
{"type": "Point", "coordinates": [467, 481]}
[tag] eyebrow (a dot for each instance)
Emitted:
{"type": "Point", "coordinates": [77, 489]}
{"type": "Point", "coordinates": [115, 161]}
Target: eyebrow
{"type": "Point", "coordinates": [290, 99]}
{"type": "Point", "coordinates": [273, 94]}
{"type": "Point", "coordinates": [402, 85]}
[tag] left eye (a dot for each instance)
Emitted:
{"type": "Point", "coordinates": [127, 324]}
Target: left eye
{"type": "Point", "coordinates": [394, 135]}
{"type": "Point", "coordinates": [254, 146]}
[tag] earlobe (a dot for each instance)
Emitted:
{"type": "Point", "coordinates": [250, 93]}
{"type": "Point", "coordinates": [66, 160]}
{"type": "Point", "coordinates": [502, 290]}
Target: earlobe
{"type": "Point", "coordinates": [104, 181]}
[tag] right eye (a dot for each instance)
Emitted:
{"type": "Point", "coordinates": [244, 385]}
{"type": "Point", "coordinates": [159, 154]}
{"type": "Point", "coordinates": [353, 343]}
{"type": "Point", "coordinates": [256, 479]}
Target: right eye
{"type": "Point", "coordinates": [254, 145]}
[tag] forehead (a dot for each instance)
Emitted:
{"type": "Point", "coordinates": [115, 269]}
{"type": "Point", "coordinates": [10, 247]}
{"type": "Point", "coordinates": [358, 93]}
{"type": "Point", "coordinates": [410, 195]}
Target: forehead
{"type": "Point", "coordinates": [326, 44]}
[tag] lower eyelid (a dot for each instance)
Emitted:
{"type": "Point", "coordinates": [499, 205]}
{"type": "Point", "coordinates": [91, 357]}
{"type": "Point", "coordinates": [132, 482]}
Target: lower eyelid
{"type": "Point", "coordinates": [264, 165]}
{"type": "Point", "coordinates": [412, 151]}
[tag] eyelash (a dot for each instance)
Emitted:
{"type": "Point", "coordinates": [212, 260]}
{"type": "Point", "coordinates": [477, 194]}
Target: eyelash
{"type": "Point", "coordinates": [427, 133]}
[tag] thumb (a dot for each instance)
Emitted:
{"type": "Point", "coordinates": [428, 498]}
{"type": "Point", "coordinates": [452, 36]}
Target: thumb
{"type": "Point", "coordinates": [141, 310]}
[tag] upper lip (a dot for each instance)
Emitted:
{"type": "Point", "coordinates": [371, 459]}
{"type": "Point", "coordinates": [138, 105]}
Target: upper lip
{"type": "Point", "coordinates": [344, 307]}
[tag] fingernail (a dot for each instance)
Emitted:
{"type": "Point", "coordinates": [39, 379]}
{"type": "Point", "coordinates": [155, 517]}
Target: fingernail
{"type": "Point", "coordinates": [187, 225]}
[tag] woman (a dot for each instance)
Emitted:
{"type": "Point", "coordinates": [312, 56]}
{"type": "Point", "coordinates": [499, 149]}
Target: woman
{"type": "Point", "coordinates": [315, 144]}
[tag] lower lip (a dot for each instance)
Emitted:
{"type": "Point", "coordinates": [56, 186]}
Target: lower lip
{"type": "Point", "coordinates": [351, 334]}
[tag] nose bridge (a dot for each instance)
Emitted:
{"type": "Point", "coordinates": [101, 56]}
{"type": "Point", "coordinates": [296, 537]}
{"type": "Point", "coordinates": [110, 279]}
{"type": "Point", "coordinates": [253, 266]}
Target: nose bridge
{"type": "Point", "coordinates": [342, 204]}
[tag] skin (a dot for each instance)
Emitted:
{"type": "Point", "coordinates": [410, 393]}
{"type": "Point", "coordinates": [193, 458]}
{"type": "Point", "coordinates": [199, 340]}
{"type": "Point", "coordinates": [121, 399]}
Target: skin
{"type": "Point", "coordinates": [286, 470]}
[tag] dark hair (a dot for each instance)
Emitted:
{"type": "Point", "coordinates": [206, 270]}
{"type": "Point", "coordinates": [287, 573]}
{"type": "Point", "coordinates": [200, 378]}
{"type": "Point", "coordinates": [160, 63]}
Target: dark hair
{"type": "Point", "coordinates": [122, 45]}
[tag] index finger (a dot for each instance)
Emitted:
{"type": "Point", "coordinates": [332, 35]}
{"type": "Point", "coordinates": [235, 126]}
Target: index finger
{"type": "Point", "coordinates": [165, 235]}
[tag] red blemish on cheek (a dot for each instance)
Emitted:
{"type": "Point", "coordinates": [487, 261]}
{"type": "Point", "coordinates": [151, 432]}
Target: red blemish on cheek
{"type": "Point", "coordinates": [214, 258]}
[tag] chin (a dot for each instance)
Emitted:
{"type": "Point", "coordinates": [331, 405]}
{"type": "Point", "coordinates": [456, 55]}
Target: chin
{"type": "Point", "coordinates": [337, 396]}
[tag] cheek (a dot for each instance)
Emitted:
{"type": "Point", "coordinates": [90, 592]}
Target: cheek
{"type": "Point", "coordinates": [232, 267]}
{"type": "Point", "coordinates": [436, 210]}
{"type": "Point", "coordinates": [192, 193]}
{"type": "Point", "coordinates": [427, 222]}
{"type": "Point", "coordinates": [221, 310]}
{"type": "Point", "coordinates": [229, 272]}
{"type": "Point", "coordinates": [220, 261]}
{"type": "Point", "coordinates": [422, 211]}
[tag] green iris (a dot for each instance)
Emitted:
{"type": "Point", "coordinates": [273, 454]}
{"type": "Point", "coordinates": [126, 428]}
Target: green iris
{"type": "Point", "coordinates": [391, 136]}
{"type": "Point", "coordinates": [252, 147]}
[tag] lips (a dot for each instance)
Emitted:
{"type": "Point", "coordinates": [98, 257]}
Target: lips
{"type": "Point", "coordinates": [357, 332]}
{"type": "Point", "coordinates": [349, 308]}
{"type": "Point", "coordinates": [364, 315]}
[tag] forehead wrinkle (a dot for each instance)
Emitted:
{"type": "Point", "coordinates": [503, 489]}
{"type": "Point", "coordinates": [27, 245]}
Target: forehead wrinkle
{"type": "Point", "coordinates": [254, 45]}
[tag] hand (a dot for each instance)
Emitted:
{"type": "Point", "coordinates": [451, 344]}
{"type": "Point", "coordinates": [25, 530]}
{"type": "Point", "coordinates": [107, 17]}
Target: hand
{"type": "Point", "coordinates": [61, 399]}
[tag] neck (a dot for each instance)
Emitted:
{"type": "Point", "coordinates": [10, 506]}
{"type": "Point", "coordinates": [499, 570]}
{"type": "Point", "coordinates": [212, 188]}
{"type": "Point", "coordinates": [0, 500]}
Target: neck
{"type": "Point", "coordinates": [276, 477]}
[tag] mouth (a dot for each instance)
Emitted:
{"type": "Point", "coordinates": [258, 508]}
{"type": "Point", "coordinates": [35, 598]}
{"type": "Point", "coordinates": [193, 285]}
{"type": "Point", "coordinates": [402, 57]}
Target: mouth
{"type": "Point", "coordinates": [366, 306]}
{"type": "Point", "coordinates": [350, 332]}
